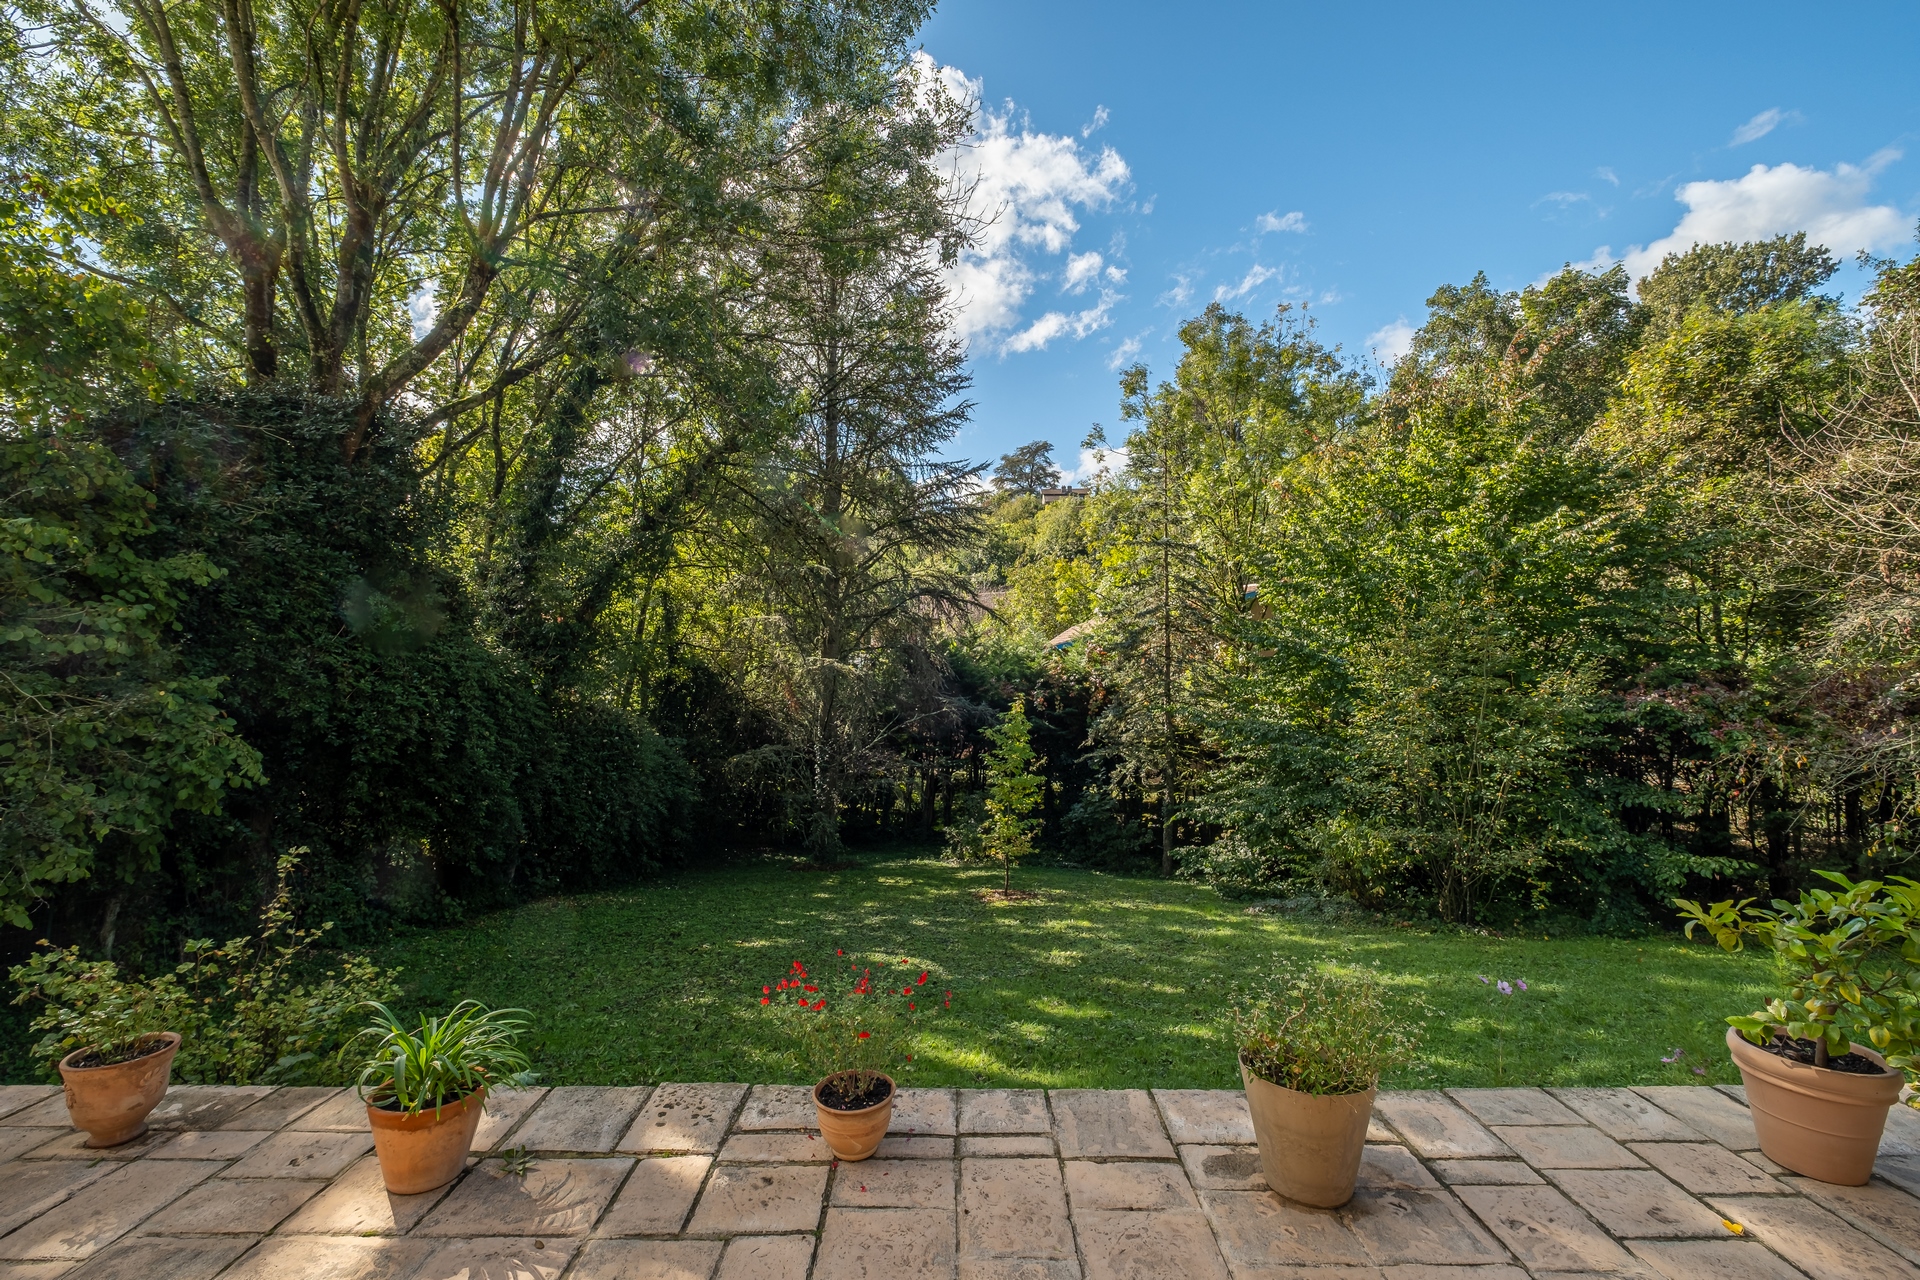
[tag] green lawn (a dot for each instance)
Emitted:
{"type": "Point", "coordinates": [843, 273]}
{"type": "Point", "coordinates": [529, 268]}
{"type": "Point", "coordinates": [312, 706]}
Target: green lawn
{"type": "Point", "coordinates": [1106, 981]}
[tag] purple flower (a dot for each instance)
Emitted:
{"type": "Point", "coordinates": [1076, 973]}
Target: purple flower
{"type": "Point", "coordinates": [1506, 988]}
{"type": "Point", "coordinates": [1699, 1071]}
{"type": "Point", "coordinates": [1675, 1056]}
{"type": "Point", "coordinates": [1523, 984]}
{"type": "Point", "coordinates": [1483, 979]}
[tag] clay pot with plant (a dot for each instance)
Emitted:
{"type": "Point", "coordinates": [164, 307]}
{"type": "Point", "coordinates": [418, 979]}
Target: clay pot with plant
{"type": "Point", "coordinates": [853, 1029]}
{"type": "Point", "coordinates": [1850, 960]}
{"type": "Point", "coordinates": [1313, 1043]}
{"type": "Point", "coordinates": [426, 1087]}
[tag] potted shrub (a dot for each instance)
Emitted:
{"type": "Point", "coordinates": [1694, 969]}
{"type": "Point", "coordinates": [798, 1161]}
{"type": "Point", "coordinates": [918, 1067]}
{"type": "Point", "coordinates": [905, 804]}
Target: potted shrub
{"type": "Point", "coordinates": [851, 1029]}
{"type": "Point", "coordinates": [1313, 1042]}
{"type": "Point", "coordinates": [1850, 962]}
{"type": "Point", "coordinates": [426, 1088]}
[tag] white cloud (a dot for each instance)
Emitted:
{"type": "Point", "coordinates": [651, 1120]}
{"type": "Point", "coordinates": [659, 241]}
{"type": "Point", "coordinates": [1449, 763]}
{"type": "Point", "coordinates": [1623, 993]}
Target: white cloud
{"type": "Point", "coordinates": [1096, 124]}
{"type": "Point", "coordinates": [1761, 125]}
{"type": "Point", "coordinates": [1124, 353]}
{"type": "Point", "coordinates": [1093, 464]}
{"type": "Point", "coordinates": [1389, 342]}
{"type": "Point", "coordinates": [423, 310]}
{"type": "Point", "coordinates": [1831, 207]}
{"type": "Point", "coordinates": [1564, 198]}
{"type": "Point", "coordinates": [1255, 277]}
{"type": "Point", "coordinates": [1178, 295]}
{"type": "Point", "coordinates": [1027, 190]}
{"type": "Point", "coordinates": [1276, 221]}
{"type": "Point", "coordinates": [1079, 324]}
{"type": "Point", "coordinates": [1607, 175]}
{"type": "Point", "coordinates": [1082, 270]}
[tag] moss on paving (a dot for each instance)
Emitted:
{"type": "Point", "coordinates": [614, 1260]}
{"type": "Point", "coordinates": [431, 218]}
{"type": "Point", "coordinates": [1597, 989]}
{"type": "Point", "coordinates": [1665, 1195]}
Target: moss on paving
{"type": "Point", "coordinates": [1106, 981]}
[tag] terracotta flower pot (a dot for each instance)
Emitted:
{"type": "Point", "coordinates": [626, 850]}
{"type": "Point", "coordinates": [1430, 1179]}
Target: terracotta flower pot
{"type": "Point", "coordinates": [1825, 1124]}
{"type": "Point", "coordinates": [111, 1103]}
{"type": "Point", "coordinates": [1310, 1143]}
{"type": "Point", "coordinates": [854, 1135]}
{"type": "Point", "coordinates": [420, 1152]}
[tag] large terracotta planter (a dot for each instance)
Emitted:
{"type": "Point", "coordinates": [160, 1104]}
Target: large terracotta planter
{"type": "Point", "coordinates": [1310, 1144]}
{"type": "Point", "coordinates": [1825, 1124]}
{"type": "Point", "coordinates": [420, 1152]}
{"type": "Point", "coordinates": [854, 1135]}
{"type": "Point", "coordinates": [111, 1103]}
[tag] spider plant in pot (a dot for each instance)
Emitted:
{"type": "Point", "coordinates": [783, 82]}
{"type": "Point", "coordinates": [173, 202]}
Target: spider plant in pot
{"type": "Point", "coordinates": [1849, 960]}
{"type": "Point", "coordinates": [853, 1029]}
{"type": "Point", "coordinates": [425, 1087]}
{"type": "Point", "coordinates": [1313, 1042]}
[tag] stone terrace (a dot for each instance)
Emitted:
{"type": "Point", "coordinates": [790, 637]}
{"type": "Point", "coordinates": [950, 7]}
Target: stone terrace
{"type": "Point", "coordinates": [692, 1181]}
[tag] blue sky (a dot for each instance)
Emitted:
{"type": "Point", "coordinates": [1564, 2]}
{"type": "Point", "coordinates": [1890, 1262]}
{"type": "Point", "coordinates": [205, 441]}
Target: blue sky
{"type": "Point", "coordinates": [1140, 160]}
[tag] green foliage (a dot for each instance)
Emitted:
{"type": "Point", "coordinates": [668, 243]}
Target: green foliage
{"type": "Point", "coordinates": [448, 1057]}
{"type": "Point", "coordinates": [1027, 470]}
{"type": "Point", "coordinates": [103, 736]}
{"type": "Point", "coordinates": [254, 1010]}
{"type": "Point", "coordinates": [1851, 960]}
{"type": "Point", "coordinates": [1322, 1028]}
{"type": "Point", "coordinates": [1013, 791]}
{"type": "Point", "coordinates": [839, 1017]}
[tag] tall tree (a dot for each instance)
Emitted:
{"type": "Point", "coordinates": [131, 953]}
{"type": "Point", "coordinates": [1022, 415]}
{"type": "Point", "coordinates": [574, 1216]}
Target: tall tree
{"type": "Point", "coordinates": [1028, 469]}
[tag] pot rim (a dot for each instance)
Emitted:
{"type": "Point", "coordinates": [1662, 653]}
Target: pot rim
{"type": "Point", "coordinates": [66, 1063]}
{"type": "Point", "coordinates": [428, 1115]}
{"type": "Point", "coordinates": [893, 1091]}
{"type": "Point", "coordinates": [1789, 1064]}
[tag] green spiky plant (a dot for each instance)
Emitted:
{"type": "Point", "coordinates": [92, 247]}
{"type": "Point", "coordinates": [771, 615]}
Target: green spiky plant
{"type": "Point", "coordinates": [445, 1059]}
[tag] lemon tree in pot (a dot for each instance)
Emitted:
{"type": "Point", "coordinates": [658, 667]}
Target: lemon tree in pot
{"type": "Point", "coordinates": [854, 1028]}
{"type": "Point", "coordinates": [425, 1087]}
{"type": "Point", "coordinates": [1850, 962]}
{"type": "Point", "coordinates": [1313, 1043]}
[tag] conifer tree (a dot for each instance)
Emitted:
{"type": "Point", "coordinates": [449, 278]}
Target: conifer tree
{"type": "Point", "coordinates": [1013, 790]}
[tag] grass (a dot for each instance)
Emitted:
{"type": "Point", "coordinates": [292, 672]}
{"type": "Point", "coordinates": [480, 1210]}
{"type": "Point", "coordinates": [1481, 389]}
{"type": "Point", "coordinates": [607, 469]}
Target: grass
{"type": "Point", "coordinates": [1104, 981]}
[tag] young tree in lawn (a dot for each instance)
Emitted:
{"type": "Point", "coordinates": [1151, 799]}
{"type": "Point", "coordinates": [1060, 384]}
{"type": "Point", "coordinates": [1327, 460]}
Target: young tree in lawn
{"type": "Point", "coordinates": [1013, 790]}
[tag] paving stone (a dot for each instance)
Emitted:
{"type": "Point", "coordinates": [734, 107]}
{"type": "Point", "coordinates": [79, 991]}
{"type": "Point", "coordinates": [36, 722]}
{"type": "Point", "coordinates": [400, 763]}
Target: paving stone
{"type": "Point", "coordinates": [1901, 1171]}
{"type": "Point", "coordinates": [561, 1197]}
{"type": "Point", "coordinates": [71, 1144]}
{"type": "Point", "coordinates": [103, 1211]}
{"type": "Point", "coordinates": [580, 1118]}
{"type": "Point", "coordinates": [1127, 1186]}
{"type": "Point", "coordinates": [1566, 1147]}
{"type": "Point", "coordinates": [1018, 1269]}
{"type": "Point", "coordinates": [886, 1244]}
{"type": "Point", "coordinates": [1435, 1128]}
{"type": "Point", "coordinates": [1888, 1215]}
{"type": "Point", "coordinates": [203, 1106]}
{"type": "Point", "coordinates": [1259, 1229]}
{"type": "Point", "coordinates": [344, 1112]}
{"type": "Point", "coordinates": [1513, 1106]}
{"type": "Point", "coordinates": [1150, 1246]}
{"type": "Point", "coordinates": [48, 1113]}
{"type": "Point", "coordinates": [684, 1117]}
{"type": "Point", "coordinates": [1638, 1203]}
{"type": "Point", "coordinates": [28, 1190]}
{"type": "Point", "coordinates": [1108, 1123]}
{"type": "Point", "coordinates": [1625, 1116]}
{"type": "Point", "coordinates": [1713, 1260]}
{"type": "Point", "coordinates": [778, 1106]}
{"type": "Point", "coordinates": [648, 1260]}
{"type": "Point", "coordinates": [220, 1207]}
{"type": "Point", "coordinates": [1006, 1144]}
{"type": "Point", "coordinates": [505, 1109]}
{"type": "Point", "coordinates": [901, 1146]}
{"type": "Point", "coordinates": [36, 1270]}
{"type": "Point", "coordinates": [1408, 1226]}
{"type": "Point", "coordinates": [280, 1108]}
{"type": "Point", "coordinates": [358, 1203]}
{"type": "Point", "coordinates": [1545, 1230]}
{"type": "Point", "coordinates": [1902, 1134]}
{"type": "Point", "coordinates": [1738, 1092]}
{"type": "Point", "coordinates": [656, 1197]}
{"type": "Point", "coordinates": [1709, 1111]}
{"type": "Point", "coordinates": [18, 1097]}
{"type": "Point", "coordinates": [197, 1144]}
{"type": "Point", "coordinates": [1014, 1208]}
{"type": "Point", "coordinates": [766, 1258]}
{"type": "Point", "coordinates": [1223, 1168]}
{"type": "Point", "coordinates": [1819, 1243]}
{"type": "Point", "coordinates": [17, 1142]}
{"type": "Point", "coordinates": [894, 1184]}
{"type": "Point", "coordinates": [332, 1257]}
{"type": "Point", "coordinates": [497, 1258]}
{"type": "Point", "coordinates": [756, 1199]}
{"type": "Point", "coordinates": [1423, 1271]}
{"type": "Point", "coordinates": [1391, 1166]}
{"type": "Point", "coordinates": [925, 1112]}
{"type": "Point", "coordinates": [1706, 1168]}
{"type": "Point", "coordinates": [775, 1148]}
{"type": "Point", "coordinates": [1378, 1131]}
{"type": "Point", "coordinates": [1004, 1111]}
{"type": "Point", "coordinates": [1216, 1117]}
{"type": "Point", "coordinates": [147, 1258]}
{"type": "Point", "coordinates": [1487, 1173]}
{"type": "Point", "coordinates": [302, 1155]}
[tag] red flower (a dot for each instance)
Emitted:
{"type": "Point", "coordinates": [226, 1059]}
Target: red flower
{"type": "Point", "coordinates": [838, 952]}
{"type": "Point", "coordinates": [765, 991]}
{"type": "Point", "coordinates": [766, 999]}
{"type": "Point", "coordinates": [865, 1034]}
{"type": "Point", "coordinates": [812, 989]}
{"type": "Point", "coordinates": [921, 981]}
{"type": "Point", "coordinates": [910, 1004]}
{"type": "Point", "coordinates": [803, 1002]}
{"type": "Point", "coordinates": [818, 1004]}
